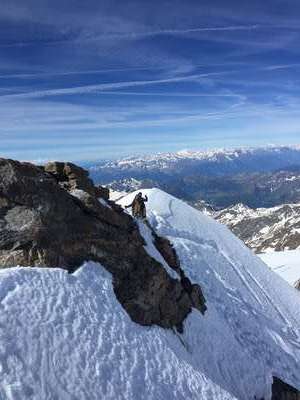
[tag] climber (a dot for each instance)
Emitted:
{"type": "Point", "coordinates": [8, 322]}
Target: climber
{"type": "Point", "coordinates": [138, 206]}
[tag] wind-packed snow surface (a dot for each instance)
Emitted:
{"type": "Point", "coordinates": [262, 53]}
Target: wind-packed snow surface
{"type": "Point", "coordinates": [284, 263]}
{"type": "Point", "coordinates": [251, 329]}
{"type": "Point", "coordinates": [66, 337]}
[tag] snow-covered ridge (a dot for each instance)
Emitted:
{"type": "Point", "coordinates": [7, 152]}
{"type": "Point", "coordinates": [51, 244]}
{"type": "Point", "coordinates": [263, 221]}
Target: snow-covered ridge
{"type": "Point", "coordinates": [243, 295]}
{"type": "Point", "coordinates": [65, 336]}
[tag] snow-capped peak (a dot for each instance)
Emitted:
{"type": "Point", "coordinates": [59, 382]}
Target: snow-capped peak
{"type": "Point", "coordinates": [164, 160]}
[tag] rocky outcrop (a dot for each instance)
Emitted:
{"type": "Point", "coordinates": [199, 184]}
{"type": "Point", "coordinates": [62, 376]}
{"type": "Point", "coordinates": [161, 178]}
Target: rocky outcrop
{"type": "Point", "coordinates": [54, 216]}
{"type": "Point", "coordinates": [166, 249]}
{"type": "Point", "coordinates": [168, 252]}
{"type": "Point", "coordinates": [70, 176]}
{"type": "Point", "coordinates": [283, 391]}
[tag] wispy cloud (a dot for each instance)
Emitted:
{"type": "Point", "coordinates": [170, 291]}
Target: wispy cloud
{"type": "Point", "coordinates": [183, 31]}
{"type": "Point", "coordinates": [109, 86]}
{"type": "Point", "coordinates": [281, 66]}
{"type": "Point", "coordinates": [114, 87]}
{"type": "Point", "coordinates": [132, 35]}
{"type": "Point", "coordinates": [62, 121]}
{"type": "Point", "coordinates": [82, 72]}
{"type": "Point", "coordinates": [189, 69]}
{"type": "Point", "coordinates": [173, 94]}
{"type": "Point", "coordinates": [94, 37]}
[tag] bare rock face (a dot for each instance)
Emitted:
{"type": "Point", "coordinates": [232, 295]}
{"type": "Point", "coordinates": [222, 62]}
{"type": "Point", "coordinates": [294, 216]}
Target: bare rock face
{"type": "Point", "coordinates": [52, 216]}
{"type": "Point", "coordinates": [166, 249]}
{"type": "Point", "coordinates": [168, 252]}
{"type": "Point", "coordinates": [71, 177]}
{"type": "Point", "coordinates": [283, 391]}
{"type": "Point", "coordinates": [42, 224]}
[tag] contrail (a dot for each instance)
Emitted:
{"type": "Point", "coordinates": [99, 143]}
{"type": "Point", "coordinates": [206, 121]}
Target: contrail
{"type": "Point", "coordinates": [108, 86]}
{"type": "Point", "coordinates": [66, 73]}
{"type": "Point", "coordinates": [134, 35]}
{"type": "Point", "coordinates": [177, 31]}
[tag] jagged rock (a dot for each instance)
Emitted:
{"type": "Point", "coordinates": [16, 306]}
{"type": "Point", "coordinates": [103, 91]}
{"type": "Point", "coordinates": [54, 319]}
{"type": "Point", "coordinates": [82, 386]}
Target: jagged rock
{"type": "Point", "coordinates": [283, 391]}
{"type": "Point", "coordinates": [297, 284]}
{"type": "Point", "coordinates": [166, 249]}
{"type": "Point", "coordinates": [102, 192]}
{"type": "Point", "coordinates": [168, 252]}
{"type": "Point", "coordinates": [198, 299]}
{"type": "Point", "coordinates": [100, 209]}
{"type": "Point", "coordinates": [51, 217]}
{"type": "Point", "coordinates": [72, 177]}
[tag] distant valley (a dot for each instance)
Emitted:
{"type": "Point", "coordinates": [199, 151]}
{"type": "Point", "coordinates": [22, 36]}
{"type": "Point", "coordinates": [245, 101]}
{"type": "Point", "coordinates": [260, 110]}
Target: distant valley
{"type": "Point", "coordinates": [256, 177]}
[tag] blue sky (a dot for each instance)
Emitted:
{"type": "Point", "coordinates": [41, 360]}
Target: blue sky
{"type": "Point", "coordinates": [94, 79]}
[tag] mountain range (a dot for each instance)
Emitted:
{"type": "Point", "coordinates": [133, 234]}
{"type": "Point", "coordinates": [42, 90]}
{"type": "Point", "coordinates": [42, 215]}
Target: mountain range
{"type": "Point", "coordinates": [261, 177]}
{"type": "Point", "coordinates": [214, 162]}
{"type": "Point", "coordinates": [264, 229]}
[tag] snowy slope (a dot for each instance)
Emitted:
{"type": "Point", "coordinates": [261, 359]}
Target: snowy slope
{"type": "Point", "coordinates": [65, 337]}
{"type": "Point", "coordinates": [116, 195]}
{"type": "Point", "coordinates": [284, 263]}
{"type": "Point", "coordinates": [252, 327]}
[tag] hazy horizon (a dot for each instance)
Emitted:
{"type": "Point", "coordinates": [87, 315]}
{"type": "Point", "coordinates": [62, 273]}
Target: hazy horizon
{"type": "Point", "coordinates": [149, 155]}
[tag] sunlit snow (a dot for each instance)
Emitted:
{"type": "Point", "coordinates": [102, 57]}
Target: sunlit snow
{"type": "Point", "coordinates": [284, 263]}
{"type": "Point", "coordinates": [66, 336]}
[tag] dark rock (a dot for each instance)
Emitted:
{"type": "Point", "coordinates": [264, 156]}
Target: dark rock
{"type": "Point", "coordinates": [102, 192]}
{"type": "Point", "coordinates": [284, 391]}
{"type": "Point", "coordinates": [197, 298]}
{"type": "Point", "coordinates": [51, 217]}
{"type": "Point", "coordinates": [72, 177]}
{"type": "Point", "coordinates": [297, 284]}
{"type": "Point", "coordinates": [166, 249]}
{"type": "Point", "coordinates": [187, 284]}
{"type": "Point", "coordinates": [168, 252]}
